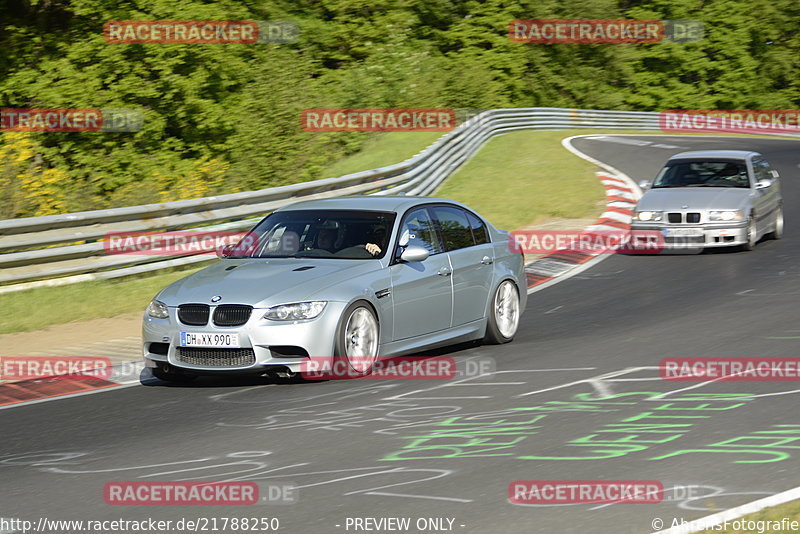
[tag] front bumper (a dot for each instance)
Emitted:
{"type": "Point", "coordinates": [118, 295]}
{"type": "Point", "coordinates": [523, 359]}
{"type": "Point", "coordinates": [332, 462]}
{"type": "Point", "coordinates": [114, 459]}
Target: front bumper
{"type": "Point", "coordinates": [707, 235]}
{"type": "Point", "coordinates": [266, 344]}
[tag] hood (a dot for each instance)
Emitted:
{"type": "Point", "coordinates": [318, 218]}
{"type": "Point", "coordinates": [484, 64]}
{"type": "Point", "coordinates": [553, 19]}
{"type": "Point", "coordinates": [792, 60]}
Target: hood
{"type": "Point", "coordinates": [696, 198]}
{"type": "Point", "coordinates": [262, 283]}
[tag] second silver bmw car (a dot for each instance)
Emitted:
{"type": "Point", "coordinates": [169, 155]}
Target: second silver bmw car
{"type": "Point", "coordinates": [716, 198]}
{"type": "Point", "coordinates": [348, 279]}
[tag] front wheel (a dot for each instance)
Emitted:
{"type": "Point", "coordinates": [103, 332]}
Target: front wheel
{"type": "Point", "coordinates": [503, 319]}
{"type": "Point", "coordinates": [357, 340]}
{"type": "Point", "coordinates": [752, 235]}
{"type": "Point", "coordinates": [777, 233]}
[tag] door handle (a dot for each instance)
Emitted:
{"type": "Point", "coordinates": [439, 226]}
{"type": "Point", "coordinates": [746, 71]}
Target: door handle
{"type": "Point", "coordinates": [444, 271]}
{"type": "Point", "coordinates": [486, 260]}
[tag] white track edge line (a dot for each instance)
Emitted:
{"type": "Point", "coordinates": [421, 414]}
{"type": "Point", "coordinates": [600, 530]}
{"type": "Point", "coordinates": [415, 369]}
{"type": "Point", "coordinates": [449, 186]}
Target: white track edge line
{"type": "Point", "coordinates": [704, 523]}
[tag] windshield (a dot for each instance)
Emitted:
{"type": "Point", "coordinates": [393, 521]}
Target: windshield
{"type": "Point", "coordinates": [344, 234]}
{"type": "Point", "coordinates": [703, 173]}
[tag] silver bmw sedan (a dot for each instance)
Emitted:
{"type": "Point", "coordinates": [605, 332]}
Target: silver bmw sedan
{"type": "Point", "coordinates": [715, 198]}
{"type": "Point", "coordinates": [349, 280]}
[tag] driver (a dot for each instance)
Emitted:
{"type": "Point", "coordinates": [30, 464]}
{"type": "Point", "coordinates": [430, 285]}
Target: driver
{"type": "Point", "coordinates": [731, 173]}
{"type": "Point", "coordinates": [326, 239]}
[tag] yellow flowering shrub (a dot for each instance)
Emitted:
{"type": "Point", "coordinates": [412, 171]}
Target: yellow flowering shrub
{"type": "Point", "coordinates": [27, 187]}
{"type": "Point", "coordinates": [204, 176]}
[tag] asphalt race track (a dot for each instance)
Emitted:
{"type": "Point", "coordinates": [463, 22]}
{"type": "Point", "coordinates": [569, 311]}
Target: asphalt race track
{"type": "Point", "coordinates": [577, 396]}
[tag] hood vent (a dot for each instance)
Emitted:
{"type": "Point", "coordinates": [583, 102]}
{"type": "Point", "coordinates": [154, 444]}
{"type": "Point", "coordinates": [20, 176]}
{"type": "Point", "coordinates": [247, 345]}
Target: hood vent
{"type": "Point", "coordinates": [304, 268]}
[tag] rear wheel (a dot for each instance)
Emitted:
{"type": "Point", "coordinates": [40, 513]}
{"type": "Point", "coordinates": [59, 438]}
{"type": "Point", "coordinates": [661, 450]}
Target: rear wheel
{"type": "Point", "coordinates": [777, 233]}
{"type": "Point", "coordinates": [356, 340]}
{"type": "Point", "coordinates": [503, 319]}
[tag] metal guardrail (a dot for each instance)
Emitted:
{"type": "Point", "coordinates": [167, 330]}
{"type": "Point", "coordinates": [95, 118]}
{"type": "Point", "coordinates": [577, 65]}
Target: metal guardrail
{"type": "Point", "coordinates": [34, 251]}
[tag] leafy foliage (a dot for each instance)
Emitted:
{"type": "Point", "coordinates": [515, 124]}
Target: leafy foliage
{"type": "Point", "coordinates": [223, 118]}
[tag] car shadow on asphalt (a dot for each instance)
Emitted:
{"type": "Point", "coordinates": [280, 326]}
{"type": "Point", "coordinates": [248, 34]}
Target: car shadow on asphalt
{"type": "Point", "coordinates": [147, 379]}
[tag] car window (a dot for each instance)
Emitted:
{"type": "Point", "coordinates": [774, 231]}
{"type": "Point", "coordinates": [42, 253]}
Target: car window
{"type": "Point", "coordinates": [703, 173]}
{"type": "Point", "coordinates": [418, 230]}
{"type": "Point", "coordinates": [479, 231]}
{"type": "Point", "coordinates": [307, 233]}
{"type": "Point", "coordinates": [762, 170]}
{"type": "Point", "coordinates": [454, 227]}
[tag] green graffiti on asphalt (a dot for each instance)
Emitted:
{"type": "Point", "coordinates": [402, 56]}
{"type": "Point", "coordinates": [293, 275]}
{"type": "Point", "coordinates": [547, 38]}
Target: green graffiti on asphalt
{"type": "Point", "coordinates": [759, 443]}
{"type": "Point", "coordinates": [664, 421]}
{"type": "Point", "coordinates": [457, 438]}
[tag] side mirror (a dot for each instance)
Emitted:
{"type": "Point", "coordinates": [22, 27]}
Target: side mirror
{"type": "Point", "coordinates": [414, 253]}
{"type": "Point", "coordinates": [763, 184]}
{"type": "Point", "coordinates": [224, 251]}
{"type": "Point", "coordinates": [644, 184]}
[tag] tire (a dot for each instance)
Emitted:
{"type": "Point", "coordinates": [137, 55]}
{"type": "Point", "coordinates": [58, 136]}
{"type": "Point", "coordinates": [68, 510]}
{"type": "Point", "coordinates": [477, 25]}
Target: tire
{"type": "Point", "coordinates": [169, 374]}
{"type": "Point", "coordinates": [503, 320]}
{"type": "Point", "coordinates": [777, 233]}
{"type": "Point", "coordinates": [752, 235]}
{"type": "Point", "coordinates": [357, 338]}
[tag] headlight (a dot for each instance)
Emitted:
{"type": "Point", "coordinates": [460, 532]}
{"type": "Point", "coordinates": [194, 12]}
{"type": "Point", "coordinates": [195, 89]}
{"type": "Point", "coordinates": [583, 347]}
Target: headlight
{"type": "Point", "coordinates": [157, 309]}
{"type": "Point", "coordinates": [295, 312]}
{"type": "Point", "coordinates": [730, 215]}
{"type": "Point", "coordinates": [648, 215]}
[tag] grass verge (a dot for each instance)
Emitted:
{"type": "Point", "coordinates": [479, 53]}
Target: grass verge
{"type": "Point", "coordinates": [35, 309]}
{"type": "Point", "coordinates": [524, 177]}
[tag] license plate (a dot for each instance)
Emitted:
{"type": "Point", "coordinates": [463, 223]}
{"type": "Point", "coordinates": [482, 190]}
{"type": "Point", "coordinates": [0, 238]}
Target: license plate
{"type": "Point", "coordinates": [684, 232]}
{"type": "Point", "coordinates": [209, 339]}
